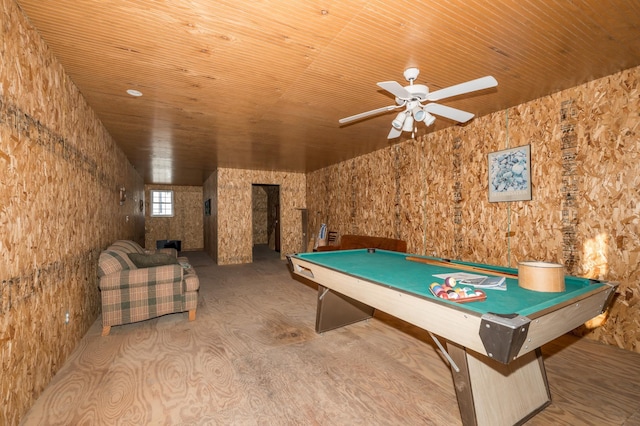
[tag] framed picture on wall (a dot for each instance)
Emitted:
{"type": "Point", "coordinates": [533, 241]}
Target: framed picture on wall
{"type": "Point", "coordinates": [510, 174]}
{"type": "Point", "coordinates": [207, 207]}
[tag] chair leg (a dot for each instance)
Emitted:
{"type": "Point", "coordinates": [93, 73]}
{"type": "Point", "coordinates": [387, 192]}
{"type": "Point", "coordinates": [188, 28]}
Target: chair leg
{"type": "Point", "coordinates": [192, 315]}
{"type": "Point", "coordinates": [106, 330]}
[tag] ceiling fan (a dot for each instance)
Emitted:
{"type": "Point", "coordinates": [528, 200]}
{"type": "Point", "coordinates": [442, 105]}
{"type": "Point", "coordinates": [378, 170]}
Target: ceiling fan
{"type": "Point", "coordinates": [411, 98]}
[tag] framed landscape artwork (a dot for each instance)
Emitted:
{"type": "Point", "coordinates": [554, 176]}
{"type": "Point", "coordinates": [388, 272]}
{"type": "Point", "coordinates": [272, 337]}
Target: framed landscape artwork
{"type": "Point", "coordinates": [510, 174]}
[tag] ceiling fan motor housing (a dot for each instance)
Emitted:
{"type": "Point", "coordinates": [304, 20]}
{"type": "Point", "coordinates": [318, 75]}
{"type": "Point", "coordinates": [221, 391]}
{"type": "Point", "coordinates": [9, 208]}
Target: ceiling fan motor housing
{"type": "Point", "coordinates": [418, 92]}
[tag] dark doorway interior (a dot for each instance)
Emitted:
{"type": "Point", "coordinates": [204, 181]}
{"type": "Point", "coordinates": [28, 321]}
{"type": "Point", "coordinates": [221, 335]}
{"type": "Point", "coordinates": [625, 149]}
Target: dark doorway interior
{"type": "Point", "coordinates": [266, 216]}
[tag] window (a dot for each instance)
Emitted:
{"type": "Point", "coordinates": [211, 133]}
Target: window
{"type": "Point", "coordinates": [162, 203]}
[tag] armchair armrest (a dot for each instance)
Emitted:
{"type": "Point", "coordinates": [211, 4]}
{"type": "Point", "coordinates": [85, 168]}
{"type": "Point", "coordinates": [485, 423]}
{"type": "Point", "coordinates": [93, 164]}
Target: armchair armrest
{"type": "Point", "coordinates": [142, 277]}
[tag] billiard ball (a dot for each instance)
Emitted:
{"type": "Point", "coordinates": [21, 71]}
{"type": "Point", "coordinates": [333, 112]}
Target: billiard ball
{"type": "Point", "coordinates": [450, 281]}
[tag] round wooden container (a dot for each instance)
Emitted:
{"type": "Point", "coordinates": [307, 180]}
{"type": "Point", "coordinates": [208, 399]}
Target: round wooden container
{"type": "Point", "coordinates": [541, 276]}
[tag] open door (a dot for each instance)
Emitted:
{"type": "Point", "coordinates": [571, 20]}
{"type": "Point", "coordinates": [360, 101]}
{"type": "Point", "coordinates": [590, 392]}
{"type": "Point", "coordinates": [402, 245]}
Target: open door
{"type": "Point", "coordinates": [276, 230]}
{"type": "Point", "coordinates": [266, 216]}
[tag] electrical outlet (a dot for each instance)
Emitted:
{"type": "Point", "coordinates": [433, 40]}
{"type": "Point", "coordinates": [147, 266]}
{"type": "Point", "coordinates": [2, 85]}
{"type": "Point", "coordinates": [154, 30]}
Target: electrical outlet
{"type": "Point", "coordinates": [66, 318]}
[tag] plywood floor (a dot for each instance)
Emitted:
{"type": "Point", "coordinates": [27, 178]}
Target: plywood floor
{"type": "Point", "coordinates": [252, 358]}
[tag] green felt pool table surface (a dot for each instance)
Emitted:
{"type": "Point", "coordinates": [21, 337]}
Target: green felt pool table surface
{"type": "Point", "coordinates": [394, 270]}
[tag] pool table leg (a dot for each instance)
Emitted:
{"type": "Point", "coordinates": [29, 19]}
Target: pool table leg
{"type": "Point", "coordinates": [336, 310]}
{"type": "Point", "coordinates": [492, 393]}
{"type": "Point", "coordinates": [462, 385]}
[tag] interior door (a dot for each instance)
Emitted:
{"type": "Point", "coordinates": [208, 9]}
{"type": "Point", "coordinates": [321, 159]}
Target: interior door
{"type": "Point", "coordinates": [277, 221]}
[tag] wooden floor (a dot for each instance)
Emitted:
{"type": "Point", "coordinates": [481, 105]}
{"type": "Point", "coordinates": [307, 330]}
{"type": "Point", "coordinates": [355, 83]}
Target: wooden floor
{"type": "Point", "coordinates": [252, 357]}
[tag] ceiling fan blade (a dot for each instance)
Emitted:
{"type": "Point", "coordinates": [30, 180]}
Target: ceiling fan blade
{"type": "Point", "coordinates": [395, 89]}
{"type": "Point", "coordinates": [367, 114]}
{"type": "Point", "coordinates": [459, 89]}
{"type": "Point", "coordinates": [448, 112]}
{"type": "Point", "coordinates": [394, 133]}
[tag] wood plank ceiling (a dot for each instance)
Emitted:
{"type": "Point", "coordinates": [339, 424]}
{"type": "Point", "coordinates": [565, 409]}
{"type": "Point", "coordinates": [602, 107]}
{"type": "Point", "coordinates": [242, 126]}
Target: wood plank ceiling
{"type": "Point", "coordinates": [261, 84]}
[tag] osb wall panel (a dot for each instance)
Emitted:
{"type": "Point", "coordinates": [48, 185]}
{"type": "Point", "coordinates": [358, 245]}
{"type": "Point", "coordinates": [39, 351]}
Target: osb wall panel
{"type": "Point", "coordinates": [432, 192]}
{"type": "Point", "coordinates": [499, 233]}
{"type": "Point", "coordinates": [259, 215]}
{"type": "Point", "coordinates": [411, 194]}
{"type": "Point", "coordinates": [186, 224]}
{"type": "Point", "coordinates": [608, 208]}
{"type": "Point", "coordinates": [60, 173]}
{"type": "Point", "coordinates": [367, 186]}
{"type": "Point", "coordinates": [234, 223]}
{"type": "Point", "coordinates": [210, 192]}
{"type": "Point", "coordinates": [373, 201]}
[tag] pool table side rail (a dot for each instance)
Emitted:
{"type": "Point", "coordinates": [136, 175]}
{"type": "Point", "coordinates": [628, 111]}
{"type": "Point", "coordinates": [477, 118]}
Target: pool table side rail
{"type": "Point", "coordinates": [553, 322]}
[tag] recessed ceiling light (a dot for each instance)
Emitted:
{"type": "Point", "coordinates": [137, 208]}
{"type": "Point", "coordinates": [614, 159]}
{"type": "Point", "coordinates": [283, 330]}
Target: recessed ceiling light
{"type": "Point", "coordinates": [133, 92]}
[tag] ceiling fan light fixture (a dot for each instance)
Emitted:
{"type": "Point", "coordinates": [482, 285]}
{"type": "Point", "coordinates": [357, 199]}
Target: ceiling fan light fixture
{"type": "Point", "coordinates": [408, 124]}
{"type": "Point", "coordinates": [399, 121]}
{"type": "Point", "coordinates": [419, 114]}
{"type": "Point", "coordinates": [428, 119]}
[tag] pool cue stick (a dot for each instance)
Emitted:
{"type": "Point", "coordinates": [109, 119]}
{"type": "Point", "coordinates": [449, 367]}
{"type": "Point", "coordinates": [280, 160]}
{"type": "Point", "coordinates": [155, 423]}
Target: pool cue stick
{"type": "Point", "coordinates": [468, 268]}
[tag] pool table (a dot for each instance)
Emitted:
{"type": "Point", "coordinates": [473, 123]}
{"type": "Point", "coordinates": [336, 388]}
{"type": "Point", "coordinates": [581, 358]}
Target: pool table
{"type": "Point", "coordinates": [493, 345]}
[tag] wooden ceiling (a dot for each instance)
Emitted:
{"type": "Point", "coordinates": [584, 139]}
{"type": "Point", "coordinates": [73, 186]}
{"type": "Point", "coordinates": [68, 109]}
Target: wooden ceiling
{"type": "Point", "coordinates": [261, 84]}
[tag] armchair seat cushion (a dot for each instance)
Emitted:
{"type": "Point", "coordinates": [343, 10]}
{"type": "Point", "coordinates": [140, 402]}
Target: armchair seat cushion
{"type": "Point", "coordinates": [143, 260]}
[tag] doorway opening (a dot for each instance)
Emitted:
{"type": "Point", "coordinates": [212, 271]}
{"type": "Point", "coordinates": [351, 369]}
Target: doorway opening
{"type": "Point", "coordinates": [265, 201]}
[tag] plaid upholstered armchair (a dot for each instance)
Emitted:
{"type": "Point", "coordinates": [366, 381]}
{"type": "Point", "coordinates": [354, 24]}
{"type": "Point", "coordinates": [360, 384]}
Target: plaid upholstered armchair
{"type": "Point", "coordinates": [137, 284]}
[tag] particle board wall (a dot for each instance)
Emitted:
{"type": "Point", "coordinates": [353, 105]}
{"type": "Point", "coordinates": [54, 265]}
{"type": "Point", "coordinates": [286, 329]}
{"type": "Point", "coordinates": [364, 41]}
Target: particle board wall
{"type": "Point", "coordinates": [232, 226]}
{"type": "Point", "coordinates": [585, 212]}
{"type": "Point", "coordinates": [186, 224]}
{"type": "Point", "coordinates": [60, 174]}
